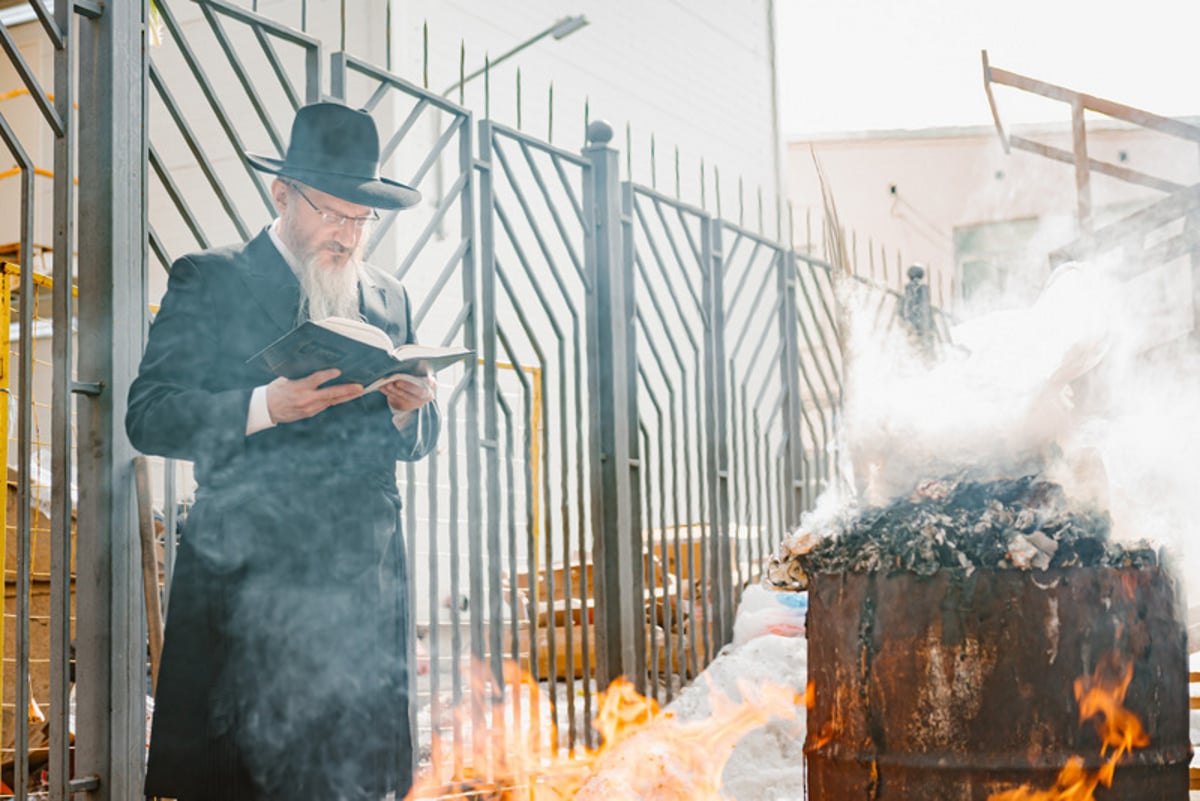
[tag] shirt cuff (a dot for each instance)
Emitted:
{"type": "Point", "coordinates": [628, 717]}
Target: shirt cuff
{"type": "Point", "coordinates": [259, 416]}
{"type": "Point", "coordinates": [400, 419]}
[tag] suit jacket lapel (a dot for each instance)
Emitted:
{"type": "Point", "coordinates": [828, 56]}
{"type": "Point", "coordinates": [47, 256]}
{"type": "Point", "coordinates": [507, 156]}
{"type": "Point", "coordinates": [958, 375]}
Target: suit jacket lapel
{"type": "Point", "coordinates": [271, 282]}
{"type": "Point", "coordinates": [376, 306]}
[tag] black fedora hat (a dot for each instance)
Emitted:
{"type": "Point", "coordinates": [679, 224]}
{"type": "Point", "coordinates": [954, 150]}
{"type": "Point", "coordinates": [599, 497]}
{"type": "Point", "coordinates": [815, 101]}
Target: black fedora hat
{"type": "Point", "coordinates": [335, 149]}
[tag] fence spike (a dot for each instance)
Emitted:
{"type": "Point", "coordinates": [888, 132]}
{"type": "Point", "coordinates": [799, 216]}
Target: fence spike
{"type": "Point", "coordinates": [854, 250]}
{"type": "Point", "coordinates": [791, 225]}
{"type": "Point", "coordinates": [388, 35]}
{"type": "Point", "coordinates": [487, 86]}
{"type": "Point", "coordinates": [550, 115]}
{"type": "Point", "coordinates": [343, 15]}
{"type": "Point", "coordinates": [462, 72]}
{"type": "Point", "coordinates": [304, 16]}
{"type": "Point", "coordinates": [778, 217]}
{"type": "Point", "coordinates": [586, 115]}
{"type": "Point", "coordinates": [808, 240]}
{"type": "Point", "coordinates": [741, 204]}
{"type": "Point", "coordinates": [717, 187]}
{"type": "Point", "coordinates": [760, 213]}
{"type": "Point", "coordinates": [703, 205]}
{"type": "Point", "coordinates": [678, 194]}
{"type": "Point", "coordinates": [518, 98]}
{"type": "Point", "coordinates": [425, 53]}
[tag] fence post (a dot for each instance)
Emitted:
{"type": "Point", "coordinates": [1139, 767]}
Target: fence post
{"type": "Point", "coordinates": [916, 312]}
{"type": "Point", "coordinates": [717, 424]}
{"type": "Point", "coordinates": [612, 418]}
{"type": "Point", "coordinates": [110, 643]}
{"type": "Point", "coordinates": [793, 486]}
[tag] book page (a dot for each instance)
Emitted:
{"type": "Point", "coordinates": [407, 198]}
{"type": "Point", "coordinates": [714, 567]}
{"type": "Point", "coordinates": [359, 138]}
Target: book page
{"type": "Point", "coordinates": [357, 330]}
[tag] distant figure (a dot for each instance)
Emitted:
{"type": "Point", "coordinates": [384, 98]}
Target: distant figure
{"type": "Point", "coordinates": [284, 673]}
{"type": "Point", "coordinates": [916, 312]}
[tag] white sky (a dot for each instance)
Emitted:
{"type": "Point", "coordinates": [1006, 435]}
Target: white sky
{"type": "Point", "coordinates": [847, 65]}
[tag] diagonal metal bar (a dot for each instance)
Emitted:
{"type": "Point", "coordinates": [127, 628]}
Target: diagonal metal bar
{"type": "Point", "coordinates": [198, 153]}
{"type": "Point", "coordinates": [177, 198]}
{"type": "Point", "coordinates": [683, 263]}
{"type": "Point", "coordinates": [285, 80]}
{"type": "Point", "coordinates": [654, 300]}
{"type": "Point", "coordinates": [661, 264]}
{"type": "Point", "coordinates": [239, 70]}
{"type": "Point", "coordinates": [432, 226]}
{"type": "Point", "coordinates": [693, 245]}
{"type": "Point", "coordinates": [745, 276]}
{"type": "Point", "coordinates": [531, 219]}
{"type": "Point", "coordinates": [210, 95]}
{"type": "Point", "coordinates": [260, 22]}
{"type": "Point", "coordinates": [566, 183]}
{"type": "Point", "coordinates": [160, 250]}
{"type": "Point", "coordinates": [767, 282]}
{"type": "Point", "coordinates": [448, 270]}
{"type": "Point", "coordinates": [551, 206]}
{"type": "Point", "coordinates": [48, 24]}
{"type": "Point", "coordinates": [31, 82]}
{"type": "Point", "coordinates": [401, 132]}
{"type": "Point", "coordinates": [436, 151]}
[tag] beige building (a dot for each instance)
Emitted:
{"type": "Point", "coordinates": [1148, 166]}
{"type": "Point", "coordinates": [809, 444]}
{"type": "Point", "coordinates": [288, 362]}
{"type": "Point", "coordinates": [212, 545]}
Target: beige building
{"type": "Point", "coordinates": [983, 221]}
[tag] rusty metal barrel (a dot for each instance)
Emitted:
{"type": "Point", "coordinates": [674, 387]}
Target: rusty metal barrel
{"type": "Point", "coordinates": [959, 686]}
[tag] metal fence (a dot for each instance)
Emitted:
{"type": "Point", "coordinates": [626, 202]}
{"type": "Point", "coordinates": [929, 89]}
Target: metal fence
{"type": "Point", "coordinates": [654, 404]}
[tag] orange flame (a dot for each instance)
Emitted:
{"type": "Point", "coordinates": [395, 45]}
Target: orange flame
{"type": "Point", "coordinates": [645, 754]}
{"type": "Point", "coordinates": [1101, 697]}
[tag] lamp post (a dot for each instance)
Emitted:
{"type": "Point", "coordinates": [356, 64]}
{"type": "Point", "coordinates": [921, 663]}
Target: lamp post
{"type": "Point", "coordinates": [559, 30]}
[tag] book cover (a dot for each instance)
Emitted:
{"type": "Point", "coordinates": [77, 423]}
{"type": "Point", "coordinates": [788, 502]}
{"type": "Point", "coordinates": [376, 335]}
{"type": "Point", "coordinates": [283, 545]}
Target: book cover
{"type": "Point", "coordinates": [355, 348]}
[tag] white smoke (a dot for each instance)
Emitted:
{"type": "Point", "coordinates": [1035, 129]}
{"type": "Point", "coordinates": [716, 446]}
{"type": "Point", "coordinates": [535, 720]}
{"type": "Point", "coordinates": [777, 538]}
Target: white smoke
{"type": "Point", "coordinates": [1065, 386]}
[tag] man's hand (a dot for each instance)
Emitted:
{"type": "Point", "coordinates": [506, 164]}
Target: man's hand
{"type": "Point", "coordinates": [409, 392]}
{"type": "Point", "coordinates": [290, 400]}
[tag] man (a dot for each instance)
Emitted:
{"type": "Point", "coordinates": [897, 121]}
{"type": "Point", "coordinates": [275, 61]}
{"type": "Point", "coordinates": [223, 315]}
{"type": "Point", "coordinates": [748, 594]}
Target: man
{"type": "Point", "coordinates": [284, 672]}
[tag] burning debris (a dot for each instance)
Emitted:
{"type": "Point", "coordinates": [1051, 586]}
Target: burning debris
{"type": "Point", "coordinates": [646, 753]}
{"type": "Point", "coordinates": [954, 523]}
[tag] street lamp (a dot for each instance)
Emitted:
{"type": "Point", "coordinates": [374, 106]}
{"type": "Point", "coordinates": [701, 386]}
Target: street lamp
{"type": "Point", "coordinates": [559, 30]}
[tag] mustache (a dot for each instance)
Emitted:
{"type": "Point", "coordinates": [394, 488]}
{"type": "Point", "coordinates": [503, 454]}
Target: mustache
{"type": "Point", "coordinates": [337, 247]}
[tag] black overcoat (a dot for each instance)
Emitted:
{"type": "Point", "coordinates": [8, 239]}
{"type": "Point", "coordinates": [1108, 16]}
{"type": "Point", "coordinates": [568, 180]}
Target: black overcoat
{"type": "Point", "coordinates": [284, 671]}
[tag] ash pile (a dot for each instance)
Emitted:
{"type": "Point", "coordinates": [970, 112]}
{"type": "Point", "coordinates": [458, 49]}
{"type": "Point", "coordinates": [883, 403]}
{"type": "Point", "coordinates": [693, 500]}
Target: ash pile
{"type": "Point", "coordinates": [953, 523]}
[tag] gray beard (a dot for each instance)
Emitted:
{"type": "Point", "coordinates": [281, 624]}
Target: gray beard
{"type": "Point", "coordinates": [328, 293]}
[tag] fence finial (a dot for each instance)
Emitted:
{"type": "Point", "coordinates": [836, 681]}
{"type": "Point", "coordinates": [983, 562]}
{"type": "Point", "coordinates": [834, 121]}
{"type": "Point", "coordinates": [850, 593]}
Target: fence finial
{"type": "Point", "coordinates": [550, 115]}
{"type": "Point", "coordinates": [518, 98]}
{"type": "Point", "coordinates": [599, 132]}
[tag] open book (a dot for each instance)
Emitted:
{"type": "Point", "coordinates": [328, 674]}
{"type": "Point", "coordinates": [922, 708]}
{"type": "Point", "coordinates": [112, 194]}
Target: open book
{"type": "Point", "coordinates": [363, 352]}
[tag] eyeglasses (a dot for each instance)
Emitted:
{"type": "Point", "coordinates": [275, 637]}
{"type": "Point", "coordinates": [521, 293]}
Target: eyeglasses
{"type": "Point", "coordinates": [336, 220]}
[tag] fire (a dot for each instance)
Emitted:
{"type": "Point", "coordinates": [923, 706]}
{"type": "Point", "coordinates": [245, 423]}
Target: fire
{"type": "Point", "coordinates": [1101, 697]}
{"type": "Point", "coordinates": [645, 753]}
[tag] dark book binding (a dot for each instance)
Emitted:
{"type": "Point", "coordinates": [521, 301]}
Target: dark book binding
{"type": "Point", "coordinates": [310, 347]}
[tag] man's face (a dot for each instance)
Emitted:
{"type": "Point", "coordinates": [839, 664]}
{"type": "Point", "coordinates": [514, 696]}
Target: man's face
{"type": "Point", "coordinates": [307, 233]}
